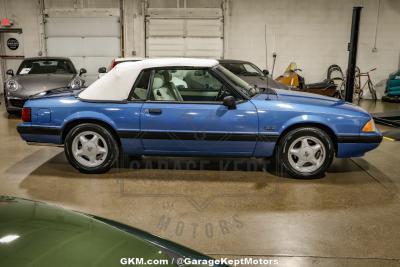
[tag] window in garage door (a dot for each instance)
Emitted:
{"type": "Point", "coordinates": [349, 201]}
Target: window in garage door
{"type": "Point", "coordinates": [90, 42]}
{"type": "Point", "coordinates": [188, 29]}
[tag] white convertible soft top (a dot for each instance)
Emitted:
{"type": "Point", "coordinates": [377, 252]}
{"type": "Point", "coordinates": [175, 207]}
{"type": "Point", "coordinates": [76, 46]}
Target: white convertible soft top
{"type": "Point", "coordinates": [117, 83]}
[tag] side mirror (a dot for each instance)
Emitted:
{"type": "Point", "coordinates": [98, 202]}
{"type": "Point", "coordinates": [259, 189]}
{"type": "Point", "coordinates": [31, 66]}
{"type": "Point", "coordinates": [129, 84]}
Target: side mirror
{"type": "Point", "coordinates": [10, 72]}
{"type": "Point", "coordinates": [266, 72]}
{"type": "Point", "coordinates": [230, 102]}
{"type": "Point", "coordinates": [102, 70]}
{"type": "Point", "coordinates": [82, 71]}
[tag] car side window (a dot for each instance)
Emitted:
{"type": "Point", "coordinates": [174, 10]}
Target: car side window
{"type": "Point", "coordinates": [187, 85]}
{"type": "Point", "coordinates": [250, 69]}
{"type": "Point", "coordinates": [139, 92]}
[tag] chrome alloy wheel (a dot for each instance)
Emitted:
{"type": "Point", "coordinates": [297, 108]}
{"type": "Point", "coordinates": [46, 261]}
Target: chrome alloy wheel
{"type": "Point", "coordinates": [89, 149]}
{"type": "Point", "coordinates": [306, 154]}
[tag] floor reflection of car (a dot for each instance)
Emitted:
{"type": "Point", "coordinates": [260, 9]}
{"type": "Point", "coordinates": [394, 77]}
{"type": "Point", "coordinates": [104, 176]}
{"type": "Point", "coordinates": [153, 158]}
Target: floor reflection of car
{"type": "Point", "coordinates": [251, 74]}
{"type": "Point", "coordinates": [115, 62]}
{"type": "Point", "coordinates": [196, 107]}
{"type": "Point", "coordinates": [36, 75]}
{"type": "Point", "coordinates": [33, 233]}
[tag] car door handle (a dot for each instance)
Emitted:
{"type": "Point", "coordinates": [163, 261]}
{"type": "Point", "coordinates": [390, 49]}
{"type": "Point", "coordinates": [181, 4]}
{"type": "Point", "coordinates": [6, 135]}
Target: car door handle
{"type": "Point", "coordinates": [155, 111]}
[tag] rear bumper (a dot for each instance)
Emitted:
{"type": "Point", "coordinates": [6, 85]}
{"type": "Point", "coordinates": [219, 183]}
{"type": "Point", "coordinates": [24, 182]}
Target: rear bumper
{"type": "Point", "coordinates": [40, 134]}
{"type": "Point", "coordinates": [38, 130]}
{"type": "Point", "coordinates": [357, 146]}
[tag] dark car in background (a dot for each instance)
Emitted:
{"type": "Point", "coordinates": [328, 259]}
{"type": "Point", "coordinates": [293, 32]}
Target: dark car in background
{"type": "Point", "coordinates": [38, 75]}
{"type": "Point", "coordinates": [251, 74]}
{"type": "Point", "coordinates": [33, 233]}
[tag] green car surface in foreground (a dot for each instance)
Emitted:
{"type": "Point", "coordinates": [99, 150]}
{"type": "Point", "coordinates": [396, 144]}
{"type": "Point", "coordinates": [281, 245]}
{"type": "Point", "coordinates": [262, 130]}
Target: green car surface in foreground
{"type": "Point", "coordinates": [33, 234]}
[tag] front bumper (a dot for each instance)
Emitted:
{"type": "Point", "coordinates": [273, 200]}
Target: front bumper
{"type": "Point", "coordinates": [361, 139]}
{"type": "Point", "coordinates": [357, 146]}
{"type": "Point", "coordinates": [15, 103]}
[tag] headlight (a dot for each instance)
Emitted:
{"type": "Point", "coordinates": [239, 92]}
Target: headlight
{"type": "Point", "coordinates": [369, 127]}
{"type": "Point", "coordinates": [12, 85]}
{"type": "Point", "coordinates": [76, 83]}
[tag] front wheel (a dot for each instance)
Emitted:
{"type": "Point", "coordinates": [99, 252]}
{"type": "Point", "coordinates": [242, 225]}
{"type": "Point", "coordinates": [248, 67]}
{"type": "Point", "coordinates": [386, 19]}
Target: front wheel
{"type": "Point", "coordinates": [305, 153]}
{"type": "Point", "coordinates": [91, 148]}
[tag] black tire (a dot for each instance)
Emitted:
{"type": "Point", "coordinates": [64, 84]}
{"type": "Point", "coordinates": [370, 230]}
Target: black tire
{"type": "Point", "coordinates": [281, 159]}
{"type": "Point", "coordinates": [332, 69]}
{"type": "Point", "coordinates": [113, 148]}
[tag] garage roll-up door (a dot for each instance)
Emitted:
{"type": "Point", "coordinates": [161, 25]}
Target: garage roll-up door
{"type": "Point", "coordinates": [90, 42]}
{"type": "Point", "coordinates": [185, 36]}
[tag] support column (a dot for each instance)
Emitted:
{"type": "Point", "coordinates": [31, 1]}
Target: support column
{"type": "Point", "coordinates": [353, 45]}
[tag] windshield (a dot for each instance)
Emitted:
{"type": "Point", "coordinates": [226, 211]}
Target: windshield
{"type": "Point", "coordinates": [46, 66]}
{"type": "Point", "coordinates": [243, 86]}
{"type": "Point", "coordinates": [245, 69]}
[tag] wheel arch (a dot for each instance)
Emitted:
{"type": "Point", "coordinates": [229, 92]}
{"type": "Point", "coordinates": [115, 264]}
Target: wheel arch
{"type": "Point", "coordinates": [72, 123]}
{"type": "Point", "coordinates": [319, 125]}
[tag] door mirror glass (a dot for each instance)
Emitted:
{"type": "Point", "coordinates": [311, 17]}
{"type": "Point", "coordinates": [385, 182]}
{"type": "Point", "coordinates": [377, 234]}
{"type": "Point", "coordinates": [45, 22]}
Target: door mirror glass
{"type": "Point", "coordinates": [266, 72]}
{"type": "Point", "coordinates": [102, 70]}
{"type": "Point", "coordinates": [230, 102]}
{"type": "Point", "coordinates": [82, 71]}
{"type": "Point", "coordinates": [10, 72]}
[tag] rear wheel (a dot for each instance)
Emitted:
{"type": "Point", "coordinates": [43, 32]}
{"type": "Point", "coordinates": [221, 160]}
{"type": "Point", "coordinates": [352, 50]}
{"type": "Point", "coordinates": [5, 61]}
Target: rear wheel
{"type": "Point", "coordinates": [91, 148]}
{"type": "Point", "coordinates": [305, 153]}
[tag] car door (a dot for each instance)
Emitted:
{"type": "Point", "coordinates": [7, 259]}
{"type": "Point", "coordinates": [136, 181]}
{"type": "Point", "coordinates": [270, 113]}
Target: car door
{"type": "Point", "coordinates": [185, 115]}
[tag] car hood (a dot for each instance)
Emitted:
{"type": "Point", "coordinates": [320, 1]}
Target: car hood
{"type": "Point", "coordinates": [302, 98]}
{"type": "Point", "coordinates": [291, 95]}
{"type": "Point", "coordinates": [51, 236]}
{"type": "Point", "coordinates": [263, 82]}
{"type": "Point", "coordinates": [33, 84]}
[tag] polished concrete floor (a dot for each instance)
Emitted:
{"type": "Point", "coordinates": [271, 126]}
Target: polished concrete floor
{"type": "Point", "coordinates": [232, 208]}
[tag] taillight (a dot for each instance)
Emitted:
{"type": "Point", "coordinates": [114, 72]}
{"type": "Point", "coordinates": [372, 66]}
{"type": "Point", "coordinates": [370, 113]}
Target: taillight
{"type": "Point", "coordinates": [113, 64]}
{"type": "Point", "coordinates": [26, 115]}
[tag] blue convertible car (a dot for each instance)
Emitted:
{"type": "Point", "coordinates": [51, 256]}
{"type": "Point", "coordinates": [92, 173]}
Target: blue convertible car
{"type": "Point", "coordinates": [196, 107]}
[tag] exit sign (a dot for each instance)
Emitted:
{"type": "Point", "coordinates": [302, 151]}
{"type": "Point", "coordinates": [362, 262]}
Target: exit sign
{"type": "Point", "coordinates": [6, 22]}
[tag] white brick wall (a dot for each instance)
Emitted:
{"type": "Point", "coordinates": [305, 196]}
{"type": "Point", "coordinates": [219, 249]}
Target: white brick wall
{"type": "Point", "coordinates": [313, 33]}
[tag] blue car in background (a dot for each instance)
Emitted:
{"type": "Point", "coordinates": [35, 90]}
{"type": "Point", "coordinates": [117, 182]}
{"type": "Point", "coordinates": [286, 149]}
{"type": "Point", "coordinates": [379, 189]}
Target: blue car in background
{"type": "Point", "coordinates": [195, 107]}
